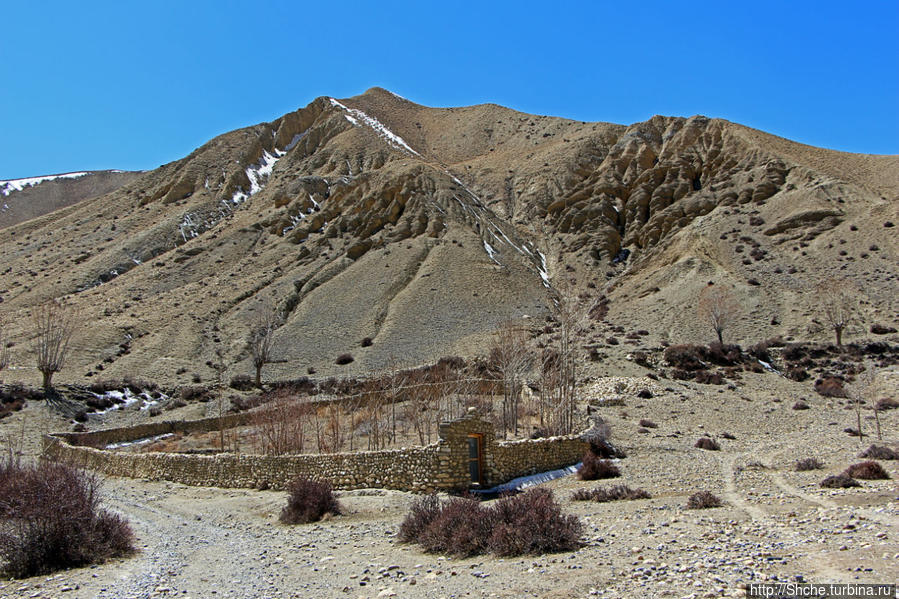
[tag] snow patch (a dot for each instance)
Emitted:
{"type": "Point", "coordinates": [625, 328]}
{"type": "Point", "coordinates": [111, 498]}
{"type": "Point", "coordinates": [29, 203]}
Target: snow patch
{"type": "Point", "coordinates": [542, 270]}
{"type": "Point", "coordinates": [490, 251]}
{"type": "Point", "coordinates": [11, 185]}
{"type": "Point", "coordinates": [139, 441]}
{"type": "Point", "coordinates": [354, 115]}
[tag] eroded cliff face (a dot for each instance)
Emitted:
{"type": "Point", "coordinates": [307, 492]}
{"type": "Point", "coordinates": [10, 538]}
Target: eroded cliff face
{"type": "Point", "coordinates": [425, 228]}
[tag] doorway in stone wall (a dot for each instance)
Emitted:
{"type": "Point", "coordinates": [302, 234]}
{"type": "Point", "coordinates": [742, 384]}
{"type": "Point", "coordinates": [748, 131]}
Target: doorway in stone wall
{"type": "Point", "coordinates": [476, 458]}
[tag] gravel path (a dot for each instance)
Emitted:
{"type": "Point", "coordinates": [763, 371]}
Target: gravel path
{"type": "Point", "coordinates": [776, 524]}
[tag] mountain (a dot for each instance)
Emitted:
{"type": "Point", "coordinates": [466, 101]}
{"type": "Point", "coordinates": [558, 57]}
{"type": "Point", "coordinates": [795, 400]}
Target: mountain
{"type": "Point", "coordinates": [23, 199]}
{"type": "Point", "coordinates": [424, 228]}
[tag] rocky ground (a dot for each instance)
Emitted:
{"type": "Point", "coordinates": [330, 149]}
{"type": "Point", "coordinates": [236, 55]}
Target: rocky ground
{"type": "Point", "coordinates": [776, 524]}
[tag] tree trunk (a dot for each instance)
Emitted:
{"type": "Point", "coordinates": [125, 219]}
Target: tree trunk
{"type": "Point", "coordinates": [839, 334]}
{"type": "Point", "coordinates": [259, 377]}
{"type": "Point", "coordinates": [720, 339]}
{"type": "Point", "coordinates": [48, 376]}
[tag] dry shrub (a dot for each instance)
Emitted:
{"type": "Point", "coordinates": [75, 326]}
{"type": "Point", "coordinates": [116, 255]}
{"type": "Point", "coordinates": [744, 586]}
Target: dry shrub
{"type": "Point", "coordinates": [242, 382]}
{"type": "Point", "coordinates": [707, 443]}
{"type": "Point", "coordinates": [530, 523]}
{"type": "Point", "coordinates": [798, 374]}
{"type": "Point", "coordinates": [195, 393]}
{"type": "Point", "coordinates": [806, 464]}
{"type": "Point", "coordinates": [308, 501]}
{"type": "Point", "coordinates": [724, 354]}
{"type": "Point", "coordinates": [51, 520]}
{"type": "Point", "coordinates": [868, 470]}
{"type": "Point", "coordinates": [605, 494]}
{"type": "Point", "coordinates": [830, 387]}
{"type": "Point", "coordinates": [422, 512]}
{"type": "Point", "coordinates": [839, 481]}
{"type": "Point", "coordinates": [595, 468]}
{"type": "Point", "coordinates": [880, 452]}
{"type": "Point", "coordinates": [344, 359]}
{"type": "Point", "coordinates": [704, 377]}
{"type": "Point", "coordinates": [686, 357]}
{"type": "Point", "coordinates": [702, 500]}
{"type": "Point", "coordinates": [800, 405]}
{"type": "Point", "coordinates": [280, 426]}
{"type": "Point", "coordinates": [645, 422]}
{"type": "Point", "coordinates": [886, 403]}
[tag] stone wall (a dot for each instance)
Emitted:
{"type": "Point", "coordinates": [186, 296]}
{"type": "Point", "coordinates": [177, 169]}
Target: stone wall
{"type": "Point", "coordinates": [440, 466]}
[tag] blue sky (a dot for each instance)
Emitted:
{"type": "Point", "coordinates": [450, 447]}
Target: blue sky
{"type": "Point", "coordinates": [96, 85]}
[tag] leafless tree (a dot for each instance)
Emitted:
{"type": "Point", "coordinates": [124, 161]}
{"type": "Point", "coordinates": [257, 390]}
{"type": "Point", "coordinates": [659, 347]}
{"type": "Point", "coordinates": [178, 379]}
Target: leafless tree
{"type": "Point", "coordinates": [718, 308]}
{"type": "Point", "coordinates": [4, 353]}
{"type": "Point", "coordinates": [281, 426]}
{"type": "Point", "coordinates": [511, 357]}
{"type": "Point", "coordinates": [861, 392]}
{"type": "Point", "coordinates": [55, 324]}
{"type": "Point", "coordinates": [560, 361]}
{"type": "Point", "coordinates": [262, 337]}
{"type": "Point", "coordinates": [839, 306]}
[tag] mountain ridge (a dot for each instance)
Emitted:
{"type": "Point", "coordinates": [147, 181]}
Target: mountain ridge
{"type": "Point", "coordinates": [424, 228]}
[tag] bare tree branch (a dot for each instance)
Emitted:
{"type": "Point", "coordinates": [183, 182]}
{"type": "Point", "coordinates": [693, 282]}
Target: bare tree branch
{"type": "Point", "coordinates": [262, 338]}
{"type": "Point", "coordinates": [55, 325]}
{"type": "Point", "coordinates": [839, 306]}
{"type": "Point", "coordinates": [718, 308]}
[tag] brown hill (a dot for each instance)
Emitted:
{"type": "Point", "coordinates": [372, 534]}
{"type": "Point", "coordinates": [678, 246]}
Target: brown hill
{"type": "Point", "coordinates": [423, 228]}
{"type": "Point", "coordinates": [24, 199]}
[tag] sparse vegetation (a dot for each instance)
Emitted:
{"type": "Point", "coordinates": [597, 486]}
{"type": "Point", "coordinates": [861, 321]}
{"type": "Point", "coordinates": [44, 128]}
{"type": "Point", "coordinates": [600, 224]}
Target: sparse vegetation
{"type": "Point", "coordinates": [838, 305]}
{"type": "Point", "coordinates": [647, 423]}
{"type": "Point", "coordinates": [308, 501]}
{"type": "Point", "coordinates": [880, 452]}
{"type": "Point", "coordinates": [344, 359]}
{"type": "Point", "coordinates": [806, 464]}
{"type": "Point", "coordinates": [839, 481]}
{"type": "Point", "coordinates": [606, 494]}
{"type": "Point", "coordinates": [594, 467]}
{"type": "Point", "coordinates": [867, 470]}
{"type": "Point", "coordinates": [800, 405]}
{"type": "Point", "coordinates": [54, 326]}
{"type": "Point", "coordinates": [531, 523]}
{"type": "Point", "coordinates": [707, 443]}
{"type": "Point", "coordinates": [50, 519]}
{"type": "Point", "coordinates": [703, 500]}
{"type": "Point", "coordinates": [718, 308]}
{"type": "Point", "coordinates": [262, 338]}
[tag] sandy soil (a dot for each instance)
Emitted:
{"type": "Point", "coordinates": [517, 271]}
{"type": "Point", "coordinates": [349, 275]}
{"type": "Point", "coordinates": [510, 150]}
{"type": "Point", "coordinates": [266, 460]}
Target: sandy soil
{"type": "Point", "coordinates": [776, 524]}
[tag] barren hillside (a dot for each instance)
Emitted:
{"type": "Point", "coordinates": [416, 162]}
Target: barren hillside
{"type": "Point", "coordinates": [423, 228]}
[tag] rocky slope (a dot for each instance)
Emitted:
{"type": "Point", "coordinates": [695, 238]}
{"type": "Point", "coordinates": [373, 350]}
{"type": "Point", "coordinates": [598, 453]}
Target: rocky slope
{"type": "Point", "coordinates": [423, 228]}
{"type": "Point", "coordinates": [24, 199]}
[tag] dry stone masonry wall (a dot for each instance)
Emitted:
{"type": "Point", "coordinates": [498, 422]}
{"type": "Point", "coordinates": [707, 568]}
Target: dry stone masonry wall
{"type": "Point", "coordinates": [440, 466]}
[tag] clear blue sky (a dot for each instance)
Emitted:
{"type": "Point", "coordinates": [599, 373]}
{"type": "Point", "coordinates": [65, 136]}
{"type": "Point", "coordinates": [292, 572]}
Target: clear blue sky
{"type": "Point", "coordinates": [95, 85]}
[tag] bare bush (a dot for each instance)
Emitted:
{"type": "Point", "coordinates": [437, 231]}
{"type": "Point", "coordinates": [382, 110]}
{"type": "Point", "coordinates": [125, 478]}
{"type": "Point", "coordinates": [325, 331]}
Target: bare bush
{"type": "Point", "coordinates": [530, 523]}
{"type": "Point", "coordinates": [707, 443]}
{"type": "Point", "coordinates": [55, 324]}
{"type": "Point", "coordinates": [703, 500]}
{"type": "Point", "coordinates": [647, 423]}
{"type": "Point", "coordinates": [595, 468]}
{"type": "Point", "coordinates": [308, 501]}
{"type": "Point", "coordinates": [606, 494]}
{"type": "Point", "coordinates": [880, 452]}
{"type": "Point", "coordinates": [839, 481]}
{"type": "Point", "coordinates": [868, 470]}
{"type": "Point", "coordinates": [51, 520]}
{"type": "Point", "coordinates": [806, 464]}
{"type": "Point", "coordinates": [280, 427]}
